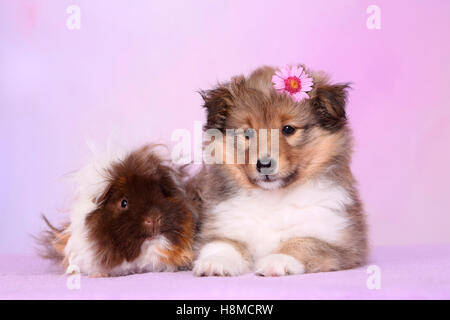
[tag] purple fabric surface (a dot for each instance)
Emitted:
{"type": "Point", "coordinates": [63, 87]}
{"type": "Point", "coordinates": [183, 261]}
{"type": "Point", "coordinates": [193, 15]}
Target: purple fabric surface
{"type": "Point", "coordinates": [413, 272]}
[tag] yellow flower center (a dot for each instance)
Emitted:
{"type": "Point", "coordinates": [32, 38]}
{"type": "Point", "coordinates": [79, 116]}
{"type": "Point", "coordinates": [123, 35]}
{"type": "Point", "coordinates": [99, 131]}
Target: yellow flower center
{"type": "Point", "coordinates": [294, 83]}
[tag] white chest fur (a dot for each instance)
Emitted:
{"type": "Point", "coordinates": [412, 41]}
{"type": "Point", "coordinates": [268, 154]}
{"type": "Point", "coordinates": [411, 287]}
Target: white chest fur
{"type": "Point", "coordinates": [264, 218]}
{"type": "Point", "coordinates": [148, 261]}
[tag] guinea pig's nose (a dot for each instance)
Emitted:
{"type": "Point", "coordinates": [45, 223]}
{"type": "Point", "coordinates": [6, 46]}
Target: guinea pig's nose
{"type": "Point", "coordinates": [152, 224]}
{"type": "Point", "coordinates": [148, 222]}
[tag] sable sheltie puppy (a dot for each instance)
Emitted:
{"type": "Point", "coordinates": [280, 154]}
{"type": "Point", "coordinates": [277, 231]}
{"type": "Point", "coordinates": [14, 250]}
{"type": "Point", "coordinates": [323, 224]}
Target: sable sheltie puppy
{"type": "Point", "coordinates": [130, 216]}
{"type": "Point", "coordinates": [303, 216]}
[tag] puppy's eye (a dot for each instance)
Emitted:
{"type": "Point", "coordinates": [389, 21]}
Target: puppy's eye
{"type": "Point", "coordinates": [249, 133]}
{"type": "Point", "coordinates": [124, 203]}
{"type": "Point", "coordinates": [288, 130]}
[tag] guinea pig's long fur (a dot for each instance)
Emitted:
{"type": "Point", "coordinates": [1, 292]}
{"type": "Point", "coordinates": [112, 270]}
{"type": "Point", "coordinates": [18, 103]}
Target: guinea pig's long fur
{"type": "Point", "coordinates": [308, 217]}
{"type": "Point", "coordinates": [130, 215]}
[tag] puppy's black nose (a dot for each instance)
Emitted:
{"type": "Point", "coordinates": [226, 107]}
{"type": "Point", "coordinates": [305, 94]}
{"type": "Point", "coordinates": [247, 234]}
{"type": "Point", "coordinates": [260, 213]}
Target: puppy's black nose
{"type": "Point", "coordinates": [263, 163]}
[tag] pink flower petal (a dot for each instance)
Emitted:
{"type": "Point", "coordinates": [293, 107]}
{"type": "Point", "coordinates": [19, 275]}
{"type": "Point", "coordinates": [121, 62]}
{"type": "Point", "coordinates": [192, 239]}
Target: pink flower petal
{"type": "Point", "coordinates": [276, 78]}
{"type": "Point", "coordinates": [299, 96]}
{"type": "Point", "coordinates": [293, 71]}
{"type": "Point", "coordinates": [279, 86]}
{"type": "Point", "coordinates": [280, 74]}
{"type": "Point", "coordinates": [306, 82]}
{"type": "Point", "coordinates": [304, 76]}
{"type": "Point", "coordinates": [285, 72]}
{"type": "Point", "coordinates": [305, 95]}
{"type": "Point", "coordinates": [297, 72]}
{"type": "Point", "coordinates": [278, 83]}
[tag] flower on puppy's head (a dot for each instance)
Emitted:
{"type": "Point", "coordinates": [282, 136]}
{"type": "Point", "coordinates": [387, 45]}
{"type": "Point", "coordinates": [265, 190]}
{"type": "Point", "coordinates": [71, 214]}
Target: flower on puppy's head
{"type": "Point", "coordinates": [293, 81]}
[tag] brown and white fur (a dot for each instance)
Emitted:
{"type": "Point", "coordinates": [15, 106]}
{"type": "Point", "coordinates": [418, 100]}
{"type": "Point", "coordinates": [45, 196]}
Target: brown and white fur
{"type": "Point", "coordinates": [308, 216]}
{"type": "Point", "coordinates": [152, 230]}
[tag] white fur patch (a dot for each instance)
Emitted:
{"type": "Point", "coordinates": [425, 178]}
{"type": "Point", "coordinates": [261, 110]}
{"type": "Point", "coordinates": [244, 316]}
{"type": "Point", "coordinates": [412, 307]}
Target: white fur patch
{"type": "Point", "coordinates": [90, 183]}
{"type": "Point", "coordinates": [278, 264]}
{"type": "Point", "coordinates": [262, 219]}
{"type": "Point", "coordinates": [270, 185]}
{"type": "Point", "coordinates": [221, 259]}
{"type": "Point", "coordinates": [148, 260]}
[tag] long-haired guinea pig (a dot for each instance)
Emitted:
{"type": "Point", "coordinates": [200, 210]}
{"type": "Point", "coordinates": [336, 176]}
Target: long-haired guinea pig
{"type": "Point", "coordinates": [131, 215]}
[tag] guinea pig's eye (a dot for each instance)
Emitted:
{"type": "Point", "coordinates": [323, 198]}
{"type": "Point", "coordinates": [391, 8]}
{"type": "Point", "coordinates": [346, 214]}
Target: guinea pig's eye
{"type": "Point", "coordinates": [249, 133]}
{"type": "Point", "coordinates": [288, 130]}
{"type": "Point", "coordinates": [124, 203]}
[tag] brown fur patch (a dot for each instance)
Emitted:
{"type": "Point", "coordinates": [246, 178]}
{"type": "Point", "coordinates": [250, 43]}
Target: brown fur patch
{"type": "Point", "coordinates": [151, 193]}
{"type": "Point", "coordinates": [328, 103]}
{"type": "Point", "coordinates": [319, 256]}
{"type": "Point", "coordinates": [52, 243]}
{"type": "Point", "coordinates": [181, 252]}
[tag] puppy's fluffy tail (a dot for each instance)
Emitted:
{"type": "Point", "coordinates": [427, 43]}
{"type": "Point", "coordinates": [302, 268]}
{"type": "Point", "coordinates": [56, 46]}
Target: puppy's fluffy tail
{"type": "Point", "coordinates": [52, 242]}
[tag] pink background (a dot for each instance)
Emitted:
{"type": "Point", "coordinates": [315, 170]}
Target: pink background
{"type": "Point", "coordinates": [134, 66]}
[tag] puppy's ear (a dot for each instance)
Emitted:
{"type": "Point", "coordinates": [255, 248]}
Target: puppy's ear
{"type": "Point", "coordinates": [219, 101]}
{"type": "Point", "coordinates": [328, 105]}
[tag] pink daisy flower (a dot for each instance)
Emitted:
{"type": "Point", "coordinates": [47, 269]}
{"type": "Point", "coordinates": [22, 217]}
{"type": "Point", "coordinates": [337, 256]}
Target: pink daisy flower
{"type": "Point", "coordinates": [293, 81]}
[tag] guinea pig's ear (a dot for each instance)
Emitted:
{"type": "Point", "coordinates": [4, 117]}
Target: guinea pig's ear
{"type": "Point", "coordinates": [168, 182]}
{"type": "Point", "coordinates": [218, 102]}
{"type": "Point", "coordinates": [328, 105]}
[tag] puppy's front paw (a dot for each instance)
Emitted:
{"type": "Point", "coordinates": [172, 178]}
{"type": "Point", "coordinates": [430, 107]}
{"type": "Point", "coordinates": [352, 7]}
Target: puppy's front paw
{"type": "Point", "coordinates": [220, 259]}
{"type": "Point", "coordinates": [278, 264]}
{"type": "Point", "coordinates": [217, 266]}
